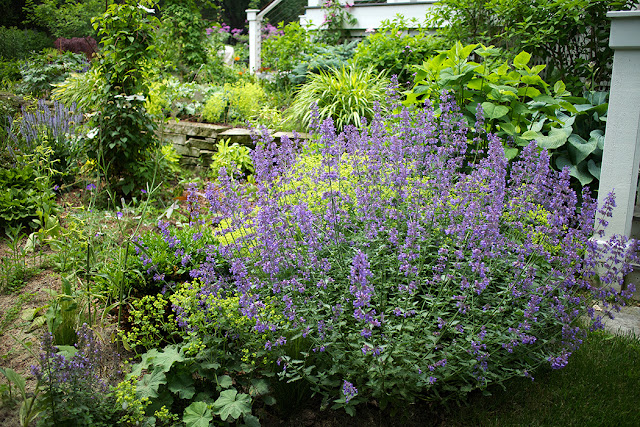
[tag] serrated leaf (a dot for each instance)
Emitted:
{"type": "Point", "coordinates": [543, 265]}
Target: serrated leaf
{"type": "Point", "coordinates": [231, 404]}
{"type": "Point", "coordinates": [225, 381]}
{"type": "Point", "coordinates": [182, 385]}
{"type": "Point", "coordinates": [251, 421]}
{"type": "Point", "coordinates": [168, 357]}
{"type": "Point", "coordinates": [493, 111]}
{"type": "Point", "coordinates": [150, 383]}
{"type": "Point", "coordinates": [259, 387]}
{"type": "Point", "coordinates": [197, 414]}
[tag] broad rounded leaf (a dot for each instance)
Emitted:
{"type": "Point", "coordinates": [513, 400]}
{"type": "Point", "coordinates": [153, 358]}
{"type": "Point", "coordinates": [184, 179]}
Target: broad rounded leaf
{"type": "Point", "coordinates": [531, 134]}
{"type": "Point", "coordinates": [594, 168]}
{"type": "Point", "coordinates": [150, 383]}
{"type": "Point", "coordinates": [493, 111]}
{"type": "Point", "coordinates": [510, 153]}
{"type": "Point", "coordinates": [231, 404]}
{"type": "Point", "coordinates": [225, 381]}
{"type": "Point", "coordinates": [598, 136]}
{"type": "Point", "coordinates": [521, 59]}
{"type": "Point", "coordinates": [197, 414]}
{"type": "Point", "coordinates": [579, 149]}
{"type": "Point", "coordinates": [556, 138]}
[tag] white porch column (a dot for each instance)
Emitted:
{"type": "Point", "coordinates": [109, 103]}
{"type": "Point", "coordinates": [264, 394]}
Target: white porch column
{"type": "Point", "coordinates": [254, 40]}
{"type": "Point", "coordinates": [621, 155]}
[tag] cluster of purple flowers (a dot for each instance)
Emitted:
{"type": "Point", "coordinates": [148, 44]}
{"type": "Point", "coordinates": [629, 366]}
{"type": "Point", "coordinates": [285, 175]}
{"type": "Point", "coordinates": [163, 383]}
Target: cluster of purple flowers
{"type": "Point", "coordinates": [390, 240]}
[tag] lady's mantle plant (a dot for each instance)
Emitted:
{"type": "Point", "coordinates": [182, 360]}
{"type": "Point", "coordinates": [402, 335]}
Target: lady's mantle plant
{"type": "Point", "coordinates": [400, 270]}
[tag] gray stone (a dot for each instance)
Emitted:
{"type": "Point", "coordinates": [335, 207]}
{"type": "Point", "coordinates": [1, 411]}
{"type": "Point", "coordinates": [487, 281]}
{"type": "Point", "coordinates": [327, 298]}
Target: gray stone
{"type": "Point", "coordinates": [239, 135]}
{"type": "Point", "coordinates": [202, 144]}
{"type": "Point", "coordinates": [185, 150]}
{"type": "Point", "coordinates": [173, 138]}
{"type": "Point", "coordinates": [627, 322]}
{"type": "Point", "coordinates": [204, 130]}
{"type": "Point", "coordinates": [300, 135]}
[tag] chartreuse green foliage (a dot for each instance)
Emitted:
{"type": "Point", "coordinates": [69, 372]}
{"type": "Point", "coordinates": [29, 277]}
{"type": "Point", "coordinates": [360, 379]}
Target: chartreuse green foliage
{"type": "Point", "coordinates": [517, 104]}
{"type": "Point", "coordinates": [347, 95]}
{"type": "Point", "coordinates": [236, 103]}
{"type": "Point", "coordinates": [126, 139]}
{"type": "Point", "coordinates": [235, 158]}
{"type": "Point", "coordinates": [280, 53]}
{"type": "Point", "coordinates": [391, 48]}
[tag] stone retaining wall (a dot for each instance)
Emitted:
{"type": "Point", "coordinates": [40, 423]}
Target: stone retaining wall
{"type": "Point", "coordinates": [196, 142]}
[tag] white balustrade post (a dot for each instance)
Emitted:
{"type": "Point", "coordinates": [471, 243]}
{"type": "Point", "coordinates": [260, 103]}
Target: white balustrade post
{"type": "Point", "coordinates": [254, 40]}
{"type": "Point", "coordinates": [621, 157]}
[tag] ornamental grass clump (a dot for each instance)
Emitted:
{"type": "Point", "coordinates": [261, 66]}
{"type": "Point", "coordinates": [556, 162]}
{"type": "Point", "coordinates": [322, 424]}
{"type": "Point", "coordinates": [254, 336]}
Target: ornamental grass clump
{"type": "Point", "coordinates": [419, 275]}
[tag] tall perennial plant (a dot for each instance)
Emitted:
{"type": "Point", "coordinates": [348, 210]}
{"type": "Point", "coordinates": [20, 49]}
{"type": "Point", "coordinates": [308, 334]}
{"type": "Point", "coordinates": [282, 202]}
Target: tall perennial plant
{"type": "Point", "coordinates": [399, 271]}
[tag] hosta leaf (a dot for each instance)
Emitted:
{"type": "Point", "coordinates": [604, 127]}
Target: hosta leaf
{"type": "Point", "coordinates": [594, 168]}
{"type": "Point", "coordinates": [598, 136]}
{"type": "Point", "coordinates": [510, 153]}
{"type": "Point", "coordinates": [579, 171]}
{"type": "Point", "coordinates": [493, 111]}
{"type": "Point", "coordinates": [197, 414]}
{"type": "Point", "coordinates": [579, 149]}
{"type": "Point", "coordinates": [556, 138]}
{"type": "Point", "coordinates": [531, 134]}
{"type": "Point", "coordinates": [231, 404]}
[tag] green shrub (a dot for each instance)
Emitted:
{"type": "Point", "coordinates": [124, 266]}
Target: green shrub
{"type": "Point", "coordinates": [182, 38]}
{"type": "Point", "coordinates": [347, 95]}
{"type": "Point", "coordinates": [20, 44]}
{"type": "Point", "coordinates": [40, 72]}
{"type": "Point", "coordinates": [322, 59]}
{"type": "Point", "coordinates": [570, 36]}
{"type": "Point", "coordinates": [172, 98]}
{"type": "Point", "coordinates": [237, 103]}
{"type": "Point", "coordinates": [282, 53]}
{"type": "Point", "coordinates": [125, 143]}
{"type": "Point", "coordinates": [65, 18]}
{"type": "Point", "coordinates": [81, 89]}
{"type": "Point", "coordinates": [20, 199]}
{"type": "Point", "coordinates": [234, 158]}
{"type": "Point", "coordinates": [393, 49]}
{"type": "Point", "coordinates": [517, 104]}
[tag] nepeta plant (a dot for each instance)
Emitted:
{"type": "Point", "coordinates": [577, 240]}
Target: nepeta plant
{"type": "Point", "coordinates": [73, 382]}
{"type": "Point", "coordinates": [398, 270]}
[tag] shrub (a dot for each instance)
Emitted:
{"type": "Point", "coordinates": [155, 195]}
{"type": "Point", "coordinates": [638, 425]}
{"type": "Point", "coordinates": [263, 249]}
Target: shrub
{"type": "Point", "coordinates": [394, 49]}
{"type": "Point", "coordinates": [126, 141]}
{"type": "Point", "coordinates": [346, 95]}
{"type": "Point", "coordinates": [65, 18]}
{"type": "Point", "coordinates": [323, 59]}
{"type": "Point", "coordinates": [20, 44]}
{"type": "Point", "coordinates": [427, 279]}
{"type": "Point", "coordinates": [517, 104]}
{"type": "Point", "coordinates": [86, 45]}
{"type": "Point", "coordinates": [74, 382]}
{"type": "Point", "coordinates": [20, 200]}
{"type": "Point", "coordinates": [235, 159]}
{"type": "Point", "coordinates": [41, 72]}
{"type": "Point", "coordinates": [282, 53]}
{"type": "Point", "coordinates": [237, 103]}
{"type": "Point", "coordinates": [182, 38]}
{"type": "Point", "coordinates": [571, 37]}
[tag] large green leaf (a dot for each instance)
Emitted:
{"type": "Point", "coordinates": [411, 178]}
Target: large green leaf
{"type": "Point", "coordinates": [182, 385]}
{"type": "Point", "coordinates": [231, 404]}
{"type": "Point", "coordinates": [150, 383]}
{"type": "Point", "coordinates": [493, 111]}
{"type": "Point", "coordinates": [579, 171]}
{"type": "Point", "coordinates": [197, 414]}
{"type": "Point", "coordinates": [521, 59]}
{"type": "Point", "coordinates": [170, 355]}
{"type": "Point", "coordinates": [594, 168]}
{"type": "Point", "coordinates": [556, 138]}
{"type": "Point", "coordinates": [598, 136]}
{"type": "Point", "coordinates": [579, 149]}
